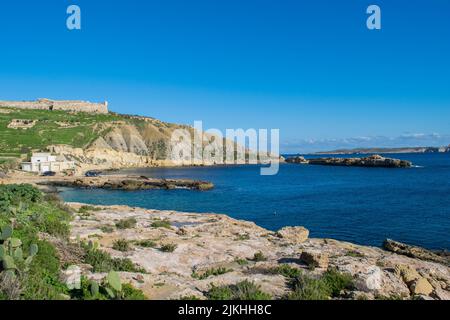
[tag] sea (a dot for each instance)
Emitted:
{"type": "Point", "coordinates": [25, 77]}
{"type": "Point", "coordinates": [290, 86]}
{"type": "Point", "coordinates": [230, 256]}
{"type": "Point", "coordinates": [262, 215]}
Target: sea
{"type": "Point", "coordinates": [360, 205]}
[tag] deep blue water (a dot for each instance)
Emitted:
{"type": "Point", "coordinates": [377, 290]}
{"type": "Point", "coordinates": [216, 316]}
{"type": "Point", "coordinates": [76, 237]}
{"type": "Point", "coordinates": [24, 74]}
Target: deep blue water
{"type": "Point", "coordinates": [361, 205]}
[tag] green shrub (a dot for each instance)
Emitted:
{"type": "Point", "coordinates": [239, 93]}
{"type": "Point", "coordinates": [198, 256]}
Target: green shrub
{"type": "Point", "coordinates": [259, 256]}
{"type": "Point", "coordinates": [241, 262]}
{"type": "Point", "coordinates": [244, 290]}
{"type": "Point", "coordinates": [287, 271]}
{"type": "Point", "coordinates": [14, 194]}
{"type": "Point", "coordinates": [126, 223]}
{"type": "Point", "coordinates": [121, 245]}
{"type": "Point", "coordinates": [210, 272]}
{"type": "Point", "coordinates": [161, 224]}
{"type": "Point", "coordinates": [242, 237]}
{"type": "Point", "coordinates": [355, 254]}
{"type": "Point", "coordinates": [329, 285]}
{"type": "Point", "coordinates": [168, 247]}
{"type": "Point", "coordinates": [337, 281]}
{"type": "Point", "coordinates": [131, 293]}
{"type": "Point", "coordinates": [107, 229]}
{"type": "Point", "coordinates": [86, 209]}
{"type": "Point", "coordinates": [307, 288]}
{"type": "Point", "coordinates": [53, 225]}
{"type": "Point", "coordinates": [42, 282]}
{"type": "Point", "coordinates": [101, 261]}
{"type": "Point", "coordinates": [146, 243]}
{"type": "Point", "coordinates": [189, 298]}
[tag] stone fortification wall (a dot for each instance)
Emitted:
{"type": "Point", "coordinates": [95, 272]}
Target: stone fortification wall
{"type": "Point", "coordinates": [64, 105]}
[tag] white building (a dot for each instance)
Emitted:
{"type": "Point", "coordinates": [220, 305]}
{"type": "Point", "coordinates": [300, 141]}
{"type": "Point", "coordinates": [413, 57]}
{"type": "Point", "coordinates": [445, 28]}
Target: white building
{"type": "Point", "coordinates": [42, 162]}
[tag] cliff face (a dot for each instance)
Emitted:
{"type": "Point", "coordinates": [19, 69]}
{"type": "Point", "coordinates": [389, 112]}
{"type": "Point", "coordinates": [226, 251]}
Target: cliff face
{"type": "Point", "coordinates": [100, 140]}
{"type": "Point", "coordinates": [125, 145]}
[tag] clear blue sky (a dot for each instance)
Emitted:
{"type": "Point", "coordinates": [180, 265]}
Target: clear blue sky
{"type": "Point", "coordinates": [310, 68]}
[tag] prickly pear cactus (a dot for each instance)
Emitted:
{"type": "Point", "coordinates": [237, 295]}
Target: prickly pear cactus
{"type": "Point", "coordinates": [11, 252]}
{"type": "Point", "coordinates": [95, 288]}
{"type": "Point", "coordinates": [114, 281]}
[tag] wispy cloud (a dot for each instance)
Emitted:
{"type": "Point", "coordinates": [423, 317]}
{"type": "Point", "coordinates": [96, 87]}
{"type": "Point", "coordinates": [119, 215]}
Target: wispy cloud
{"type": "Point", "coordinates": [407, 139]}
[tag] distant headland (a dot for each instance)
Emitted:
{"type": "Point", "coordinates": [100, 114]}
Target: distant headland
{"type": "Point", "coordinates": [388, 150]}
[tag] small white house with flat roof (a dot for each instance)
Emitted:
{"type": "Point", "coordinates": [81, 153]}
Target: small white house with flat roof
{"type": "Point", "coordinates": [43, 162]}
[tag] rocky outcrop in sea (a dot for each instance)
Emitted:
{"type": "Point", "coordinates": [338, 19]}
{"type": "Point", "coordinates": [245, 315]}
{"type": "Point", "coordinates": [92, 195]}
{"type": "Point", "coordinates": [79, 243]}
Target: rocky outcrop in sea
{"type": "Point", "coordinates": [371, 161]}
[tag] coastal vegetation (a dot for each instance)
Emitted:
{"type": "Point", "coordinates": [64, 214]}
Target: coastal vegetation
{"type": "Point", "coordinates": [210, 272]}
{"type": "Point", "coordinates": [79, 130]}
{"type": "Point", "coordinates": [168, 247]}
{"type": "Point", "coordinates": [244, 290]}
{"type": "Point", "coordinates": [329, 285]}
{"type": "Point", "coordinates": [35, 249]}
{"type": "Point", "coordinates": [126, 223]}
{"type": "Point", "coordinates": [42, 240]}
{"type": "Point", "coordinates": [161, 224]}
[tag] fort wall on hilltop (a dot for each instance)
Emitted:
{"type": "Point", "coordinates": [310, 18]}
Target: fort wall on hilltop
{"type": "Point", "coordinates": [64, 105]}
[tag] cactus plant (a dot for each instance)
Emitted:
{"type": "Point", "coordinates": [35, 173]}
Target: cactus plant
{"type": "Point", "coordinates": [6, 232]}
{"type": "Point", "coordinates": [94, 288]}
{"type": "Point", "coordinates": [114, 281]}
{"type": "Point", "coordinates": [11, 252]}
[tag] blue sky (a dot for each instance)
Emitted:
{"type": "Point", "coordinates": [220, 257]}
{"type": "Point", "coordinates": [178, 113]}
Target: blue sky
{"type": "Point", "coordinates": [310, 68]}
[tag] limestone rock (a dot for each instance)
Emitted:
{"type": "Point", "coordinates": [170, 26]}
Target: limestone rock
{"type": "Point", "coordinates": [407, 273]}
{"type": "Point", "coordinates": [297, 160]}
{"type": "Point", "coordinates": [370, 280]}
{"type": "Point", "coordinates": [294, 234]}
{"type": "Point", "coordinates": [414, 252]}
{"type": "Point", "coordinates": [441, 294]}
{"type": "Point", "coordinates": [421, 287]}
{"type": "Point", "coordinates": [371, 161]}
{"type": "Point", "coordinates": [315, 258]}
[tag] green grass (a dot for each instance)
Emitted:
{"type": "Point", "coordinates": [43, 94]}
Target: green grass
{"type": "Point", "coordinates": [161, 224]}
{"type": "Point", "coordinates": [47, 132]}
{"type": "Point", "coordinates": [241, 262]}
{"type": "Point", "coordinates": [337, 281]}
{"type": "Point", "coordinates": [102, 261]}
{"type": "Point", "coordinates": [86, 209]}
{"type": "Point", "coordinates": [107, 229]}
{"type": "Point", "coordinates": [329, 285]}
{"type": "Point", "coordinates": [244, 290]}
{"type": "Point", "coordinates": [121, 245]}
{"type": "Point", "coordinates": [355, 254]}
{"type": "Point", "coordinates": [286, 271]}
{"type": "Point", "coordinates": [126, 223]}
{"type": "Point", "coordinates": [259, 256]}
{"type": "Point", "coordinates": [210, 272]}
{"type": "Point", "coordinates": [168, 247]}
{"type": "Point", "coordinates": [146, 243]}
{"type": "Point", "coordinates": [242, 237]}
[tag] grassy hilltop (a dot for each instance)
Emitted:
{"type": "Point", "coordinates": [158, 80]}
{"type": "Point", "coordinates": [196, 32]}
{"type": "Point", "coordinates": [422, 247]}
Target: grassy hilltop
{"type": "Point", "coordinates": [80, 130]}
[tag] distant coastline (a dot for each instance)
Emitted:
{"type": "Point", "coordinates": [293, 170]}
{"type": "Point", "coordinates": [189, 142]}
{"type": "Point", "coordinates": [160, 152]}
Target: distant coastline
{"type": "Point", "coordinates": [387, 150]}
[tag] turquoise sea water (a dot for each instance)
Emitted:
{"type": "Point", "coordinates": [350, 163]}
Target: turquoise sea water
{"type": "Point", "coordinates": [361, 205]}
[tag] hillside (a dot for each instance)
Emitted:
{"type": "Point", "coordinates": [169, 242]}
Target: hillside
{"type": "Point", "coordinates": [93, 140]}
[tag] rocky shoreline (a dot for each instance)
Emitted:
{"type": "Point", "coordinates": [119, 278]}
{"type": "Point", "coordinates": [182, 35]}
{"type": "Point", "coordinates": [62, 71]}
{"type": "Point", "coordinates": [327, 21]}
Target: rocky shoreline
{"type": "Point", "coordinates": [215, 250]}
{"type": "Point", "coordinates": [371, 161]}
{"type": "Point", "coordinates": [110, 182]}
{"type": "Point", "coordinates": [129, 183]}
